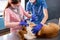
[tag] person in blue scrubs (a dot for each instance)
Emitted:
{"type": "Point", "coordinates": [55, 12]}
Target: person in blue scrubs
{"type": "Point", "coordinates": [38, 10]}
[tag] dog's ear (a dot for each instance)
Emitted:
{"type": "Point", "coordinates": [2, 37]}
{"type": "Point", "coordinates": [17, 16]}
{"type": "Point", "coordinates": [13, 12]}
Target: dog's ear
{"type": "Point", "coordinates": [20, 33]}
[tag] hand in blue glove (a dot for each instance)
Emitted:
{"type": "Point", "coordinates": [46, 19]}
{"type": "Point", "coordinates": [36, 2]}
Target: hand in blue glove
{"type": "Point", "coordinates": [37, 28]}
{"type": "Point", "coordinates": [33, 18]}
{"type": "Point", "coordinates": [23, 23]}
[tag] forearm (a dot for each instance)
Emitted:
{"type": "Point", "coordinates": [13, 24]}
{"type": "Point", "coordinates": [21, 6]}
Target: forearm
{"type": "Point", "coordinates": [45, 16]}
{"type": "Point", "coordinates": [11, 24]}
{"type": "Point", "coordinates": [26, 13]}
{"type": "Point", "coordinates": [44, 20]}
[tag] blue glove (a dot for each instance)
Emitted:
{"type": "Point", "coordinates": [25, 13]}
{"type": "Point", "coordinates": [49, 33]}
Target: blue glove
{"type": "Point", "coordinates": [23, 23]}
{"type": "Point", "coordinates": [33, 18]}
{"type": "Point", "coordinates": [37, 28]}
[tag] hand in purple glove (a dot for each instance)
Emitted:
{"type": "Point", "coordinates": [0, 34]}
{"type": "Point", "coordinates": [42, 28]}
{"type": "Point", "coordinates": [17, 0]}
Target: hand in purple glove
{"type": "Point", "coordinates": [33, 18]}
{"type": "Point", "coordinates": [23, 23]}
{"type": "Point", "coordinates": [37, 28]}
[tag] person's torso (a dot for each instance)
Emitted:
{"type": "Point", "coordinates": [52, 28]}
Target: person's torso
{"type": "Point", "coordinates": [37, 11]}
{"type": "Point", "coordinates": [15, 17]}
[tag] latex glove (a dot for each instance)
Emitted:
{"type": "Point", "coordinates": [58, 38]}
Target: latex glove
{"type": "Point", "coordinates": [37, 28]}
{"type": "Point", "coordinates": [23, 23]}
{"type": "Point", "coordinates": [33, 18]}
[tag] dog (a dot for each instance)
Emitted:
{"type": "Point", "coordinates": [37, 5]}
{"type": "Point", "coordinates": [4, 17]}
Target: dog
{"type": "Point", "coordinates": [25, 31]}
{"type": "Point", "coordinates": [49, 30]}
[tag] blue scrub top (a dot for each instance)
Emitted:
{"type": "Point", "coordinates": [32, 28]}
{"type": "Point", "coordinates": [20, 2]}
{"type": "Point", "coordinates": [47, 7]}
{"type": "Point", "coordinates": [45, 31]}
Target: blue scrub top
{"type": "Point", "coordinates": [36, 10]}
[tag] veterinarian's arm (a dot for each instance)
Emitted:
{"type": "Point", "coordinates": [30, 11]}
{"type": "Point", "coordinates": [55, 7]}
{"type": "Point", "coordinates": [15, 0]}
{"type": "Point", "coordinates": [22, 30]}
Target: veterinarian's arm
{"type": "Point", "coordinates": [45, 12]}
{"type": "Point", "coordinates": [45, 16]}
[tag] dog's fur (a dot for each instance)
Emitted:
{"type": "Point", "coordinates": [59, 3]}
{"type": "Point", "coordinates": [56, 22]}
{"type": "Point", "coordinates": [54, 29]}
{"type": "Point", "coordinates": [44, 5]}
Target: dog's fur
{"type": "Point", "coordinates": [49, 30]}
{"type": "Point", "coordinates": [24, 31]}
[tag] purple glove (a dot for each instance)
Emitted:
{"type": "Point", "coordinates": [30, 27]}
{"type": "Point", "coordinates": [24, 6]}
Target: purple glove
{"type": "Point", "coordinates": [33, 18]}
{"type": "Point", "coordinates": [23, 23]}
{"type": "Point", "coordinates": [37, 28]}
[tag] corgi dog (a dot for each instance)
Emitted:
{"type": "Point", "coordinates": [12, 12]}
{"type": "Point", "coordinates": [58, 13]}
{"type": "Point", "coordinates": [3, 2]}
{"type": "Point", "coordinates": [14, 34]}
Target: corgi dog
{"type": "Point", "coordinates": [48, 30]}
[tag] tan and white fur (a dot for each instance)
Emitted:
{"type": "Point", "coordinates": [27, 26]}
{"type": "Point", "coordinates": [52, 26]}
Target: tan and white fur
{"type": "Point", "coordinates": [48, 30]}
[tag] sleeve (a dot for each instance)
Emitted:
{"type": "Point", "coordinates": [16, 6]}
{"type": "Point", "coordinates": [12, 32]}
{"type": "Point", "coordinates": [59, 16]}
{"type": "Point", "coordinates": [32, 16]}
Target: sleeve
{"type": "Point", "coordinates": [44, 3]}
{"type": "Point", "coordinates": [7, 16]}
{"type": "Point", "coordinates": [28, 6]}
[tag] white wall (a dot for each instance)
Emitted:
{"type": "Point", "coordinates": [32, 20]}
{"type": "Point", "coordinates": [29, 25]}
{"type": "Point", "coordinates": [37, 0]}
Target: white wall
{"type": "Point", "coordinates": [23, 3]}
{"type": "Point", "coordinates": [3, 4]}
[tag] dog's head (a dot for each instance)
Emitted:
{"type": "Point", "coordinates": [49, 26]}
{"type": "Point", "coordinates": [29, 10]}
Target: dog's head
{"type": "Point", "coordinates": [24, 31]}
